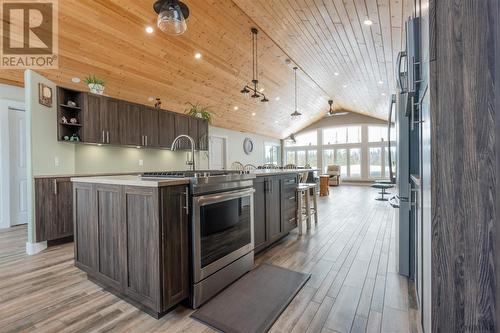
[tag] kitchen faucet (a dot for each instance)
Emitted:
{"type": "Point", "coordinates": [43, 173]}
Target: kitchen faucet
{"type": "Point", "coordinates": [191, 141]}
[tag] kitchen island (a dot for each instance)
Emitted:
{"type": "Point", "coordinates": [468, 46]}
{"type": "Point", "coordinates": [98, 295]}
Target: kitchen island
{"type": "Point", "coordinates": [131, 237]}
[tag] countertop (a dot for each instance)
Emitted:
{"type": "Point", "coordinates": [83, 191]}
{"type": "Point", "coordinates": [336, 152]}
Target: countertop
{"type": "Point", "coordinates": [131, 180]}
{"type": "Point", "coordinates": [275, 172]}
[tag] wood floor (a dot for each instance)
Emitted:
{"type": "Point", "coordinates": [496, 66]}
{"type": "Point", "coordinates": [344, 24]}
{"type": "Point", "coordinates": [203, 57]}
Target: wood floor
{"type": "Point", "coordinates": [351, 255]}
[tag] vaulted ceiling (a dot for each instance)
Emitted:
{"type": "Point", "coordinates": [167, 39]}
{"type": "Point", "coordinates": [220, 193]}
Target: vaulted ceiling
{"type": "Point", "coordinates": [339, 56]}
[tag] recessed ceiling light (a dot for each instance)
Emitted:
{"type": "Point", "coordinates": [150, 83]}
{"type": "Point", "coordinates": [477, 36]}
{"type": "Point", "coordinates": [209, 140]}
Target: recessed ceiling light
{"type": "Point", "coordinates": [197, 55]}
{"type": "Point", "coordinates": [253, 114]}
{"type": "Point", "coordinates": [236, 108]}
{"type": "Point", "coordinates": [380, 82]}
{"type": "Point", "coordinates": [75, 80]}
{"type": "Point", "coordinates": [368, 22]}
{"type": "Point", "coordinates": [383, 94]}
{"type": "Point", "coordinates": [336, 74]}
{"type": "Point", "coordinates": [278, 98]}
{"type": "Point", "coordinates": [151, 98]}
{"type": "Point", "coordinates": [150, 30]}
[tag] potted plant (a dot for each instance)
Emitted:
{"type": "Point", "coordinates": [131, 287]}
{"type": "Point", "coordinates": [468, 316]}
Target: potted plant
{"type": "Point", "coordinates": [196, 110]}
{"type": "Point", "coordinates": [95, 84]}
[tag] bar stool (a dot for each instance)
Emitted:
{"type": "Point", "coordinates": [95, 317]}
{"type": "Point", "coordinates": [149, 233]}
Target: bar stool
{"type": "Point", "coordinates": [304, 192]}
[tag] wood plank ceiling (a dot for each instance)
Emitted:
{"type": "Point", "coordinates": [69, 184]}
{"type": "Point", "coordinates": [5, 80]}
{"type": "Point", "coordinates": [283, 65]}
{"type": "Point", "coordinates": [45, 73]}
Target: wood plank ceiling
{"type": "Point", "coordinates": [323, 37]}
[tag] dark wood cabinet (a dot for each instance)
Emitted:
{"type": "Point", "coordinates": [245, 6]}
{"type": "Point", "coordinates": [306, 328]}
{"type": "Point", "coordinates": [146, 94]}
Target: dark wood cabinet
{"type": "Point", "coordinates": [134, 240]}
{"type": "Point", "coordinates": [150, 127]}
{"type": "Point", "coordinates": [53, 209]}
{"type": "Point", "coordinates": [166, 135]}
{"type": "Point", "coordinates": [273, 213]}
{"type": "Point", "coordinates": [105, 120]}
{"type": "Point", "coordinates": [260, 207]}
{"type": "Point", "coordinates": [202, 134]}
{"type": "Point", "coordinates": [183, 124]}
{"type": "Point", "coordinates": [275, 207]}
{"type": "Point", "coordinates": [110, 115]}
{"type": "Point", "coordinates": [93, 129]}
{"type": "Point", "coordinates": [101, 119]}
{"type": "Point", "coordinates": [130, 124]}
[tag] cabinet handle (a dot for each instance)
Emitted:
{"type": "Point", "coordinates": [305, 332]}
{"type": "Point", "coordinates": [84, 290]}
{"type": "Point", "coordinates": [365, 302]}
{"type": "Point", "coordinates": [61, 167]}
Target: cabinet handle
{"type": "Point", "coordinates": [146, 139]}
{"type": "Point", "coordinates": [142, 138]}
{"type": "Point", "coordinates": [292, 219]}
{"type": "Point", "coordinates": [103, 141]}
{"type": "Point", "coordinates": [55, 186]}
{"type": "Point", "coordinates": [107, 136]}
{"type": "Point", "coordinates": [186, 197]}
{"type": "Point", "coordinates": [291, 198]}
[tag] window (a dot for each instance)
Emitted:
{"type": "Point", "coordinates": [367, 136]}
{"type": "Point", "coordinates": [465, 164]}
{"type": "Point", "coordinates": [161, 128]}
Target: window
{"type": "Point", "coordinates": [377, 133]}
{"type": "Point", "coordinates": [290, 157]}
{"type": "Point", "coordinates": [328, 158]}
{"type": "Point", "coordinates": [336, 135]}
{"type": "Point", "coordinates": [301, 158]}
{"type": "Point", "coordinates": [341, 159]}
{"type": "Point", "coordinates": [341, 135]}
{"type": "Point", "coordinates": [272, 153]}
{"type": "Point", "coordinates": [304, 139]}
{"type": "Point", "coordinates": [375, 162]}
{"type": "Point", "coordinates": [354, 134]}
{"type": "Point", "coordinates": [312, 159]}
{"type": "Point", "coordinates": [393, 157]}
{"type": "Point", "coordinates": [355, 162]}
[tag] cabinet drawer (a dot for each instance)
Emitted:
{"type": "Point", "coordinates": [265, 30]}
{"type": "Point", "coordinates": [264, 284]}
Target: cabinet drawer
{"type": "Point", "coordinates": [290, 201]}
{"type": "Point", "coordinates": [290, 181]}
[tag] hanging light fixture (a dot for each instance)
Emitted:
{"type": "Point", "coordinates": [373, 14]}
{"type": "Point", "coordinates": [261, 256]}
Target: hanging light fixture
{"type": "Point", "coordinates": [172, 15]}
{"type": "Point", "coordinates": [332, 112]}
{"type": "Point", "coordinates": [253, 90]}
{"type": "Point", "coordinates": [295, 113]}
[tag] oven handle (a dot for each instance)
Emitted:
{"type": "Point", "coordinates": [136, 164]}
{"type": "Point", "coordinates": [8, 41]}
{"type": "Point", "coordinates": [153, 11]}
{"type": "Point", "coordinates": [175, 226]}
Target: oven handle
{"type": "Point", "coordinates": [218, 197]}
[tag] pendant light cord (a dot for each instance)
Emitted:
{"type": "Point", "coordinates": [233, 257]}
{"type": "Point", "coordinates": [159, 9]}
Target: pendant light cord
{"type": "Point", "coordinates": [295, 74]}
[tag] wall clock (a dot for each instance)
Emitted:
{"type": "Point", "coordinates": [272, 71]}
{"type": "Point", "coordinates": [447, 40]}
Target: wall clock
{"type": "Point", "coordinates": [248, 146]}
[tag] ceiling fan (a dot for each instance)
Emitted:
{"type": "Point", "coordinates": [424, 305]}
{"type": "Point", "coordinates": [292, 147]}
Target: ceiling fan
{"type": "Point", "coordinates": [333, 113]}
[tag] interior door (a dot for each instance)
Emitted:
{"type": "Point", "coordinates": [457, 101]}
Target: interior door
{"type": "Point", "coordinates": [217, 158]}
{"type": "Point", "coordinates": [18, 178]}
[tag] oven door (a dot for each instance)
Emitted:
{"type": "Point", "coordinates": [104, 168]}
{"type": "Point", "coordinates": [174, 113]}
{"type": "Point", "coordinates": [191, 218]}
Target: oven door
{"type": "Point", "coordinates": [222, 230]}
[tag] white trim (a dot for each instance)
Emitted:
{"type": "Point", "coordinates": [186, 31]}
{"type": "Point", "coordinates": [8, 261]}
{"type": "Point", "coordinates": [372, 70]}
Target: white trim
{"type": "Point", "coordinates": [34, 248]}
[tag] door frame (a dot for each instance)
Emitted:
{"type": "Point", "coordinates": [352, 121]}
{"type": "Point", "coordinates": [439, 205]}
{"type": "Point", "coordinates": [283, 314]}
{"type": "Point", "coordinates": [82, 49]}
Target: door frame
{"type": "Point", "coordinates": [5, 106]}
{"type": "Point", "coordinates": [226, 157]}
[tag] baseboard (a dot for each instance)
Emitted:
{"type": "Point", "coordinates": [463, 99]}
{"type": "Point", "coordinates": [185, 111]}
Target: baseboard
{"type": "Point", "coordinates": [34, 248]}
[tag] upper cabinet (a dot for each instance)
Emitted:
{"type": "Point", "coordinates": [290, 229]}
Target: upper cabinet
{"type": "Point", "coordinates": [91, 118]}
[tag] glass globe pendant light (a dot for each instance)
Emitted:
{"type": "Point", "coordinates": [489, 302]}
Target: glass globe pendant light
{"type": "Point", "coordinates": [296, 113]}
{"type": "Point", "coordinates": [172, 15]}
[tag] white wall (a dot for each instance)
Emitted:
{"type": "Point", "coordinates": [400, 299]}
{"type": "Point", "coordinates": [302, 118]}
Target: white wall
{"type": "Point", "coordinates": [235, 145]}
{"type": "Point", "coordinates": [10, 96]}
{"type": "Point", "coordinates": [11, 93]}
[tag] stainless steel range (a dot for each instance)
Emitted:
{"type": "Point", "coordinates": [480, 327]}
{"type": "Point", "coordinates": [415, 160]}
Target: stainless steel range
{"type": "Point", "coordinates": [222, 238]}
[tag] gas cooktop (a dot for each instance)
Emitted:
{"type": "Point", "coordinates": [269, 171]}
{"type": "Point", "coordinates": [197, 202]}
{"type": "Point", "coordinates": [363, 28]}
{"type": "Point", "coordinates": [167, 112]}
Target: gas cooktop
{"type": "Point", "coordinates": [192, 174]}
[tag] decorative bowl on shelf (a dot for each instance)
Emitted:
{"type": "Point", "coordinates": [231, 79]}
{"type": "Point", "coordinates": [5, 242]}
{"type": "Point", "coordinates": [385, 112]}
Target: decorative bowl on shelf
{"type": "Point", "coordinates": [71, 103]}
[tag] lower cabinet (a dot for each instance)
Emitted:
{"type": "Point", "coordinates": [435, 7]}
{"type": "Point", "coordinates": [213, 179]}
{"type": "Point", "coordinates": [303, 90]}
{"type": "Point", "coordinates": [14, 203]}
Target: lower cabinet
{"type": "Point", "coordinates": [275, 207]}
{"type": "Point", "coordinates": [53, 209]}
{"type": "Point", "coordinates": [134, 240]}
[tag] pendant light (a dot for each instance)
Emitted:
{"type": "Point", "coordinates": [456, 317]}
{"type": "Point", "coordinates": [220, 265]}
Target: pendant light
{"type": "Point", "coordinates": [253, 88]}
{"type": "Point", "coordinates": [172, 15]}
{"type": "Point", "coordinates": [295, 113]}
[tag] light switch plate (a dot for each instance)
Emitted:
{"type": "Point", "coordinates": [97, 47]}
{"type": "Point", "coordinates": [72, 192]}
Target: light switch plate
{"type": "Point", "coordinates": [56, 161]}
{"type": "Point", "coordinates": [141, 162]}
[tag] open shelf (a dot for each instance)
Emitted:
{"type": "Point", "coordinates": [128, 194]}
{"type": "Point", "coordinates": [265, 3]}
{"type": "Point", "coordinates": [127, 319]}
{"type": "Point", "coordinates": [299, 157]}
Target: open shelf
{"type": "Point", "coordinates": [68, 129]}
{"type": "Point", "coordinates": [76, 108]}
